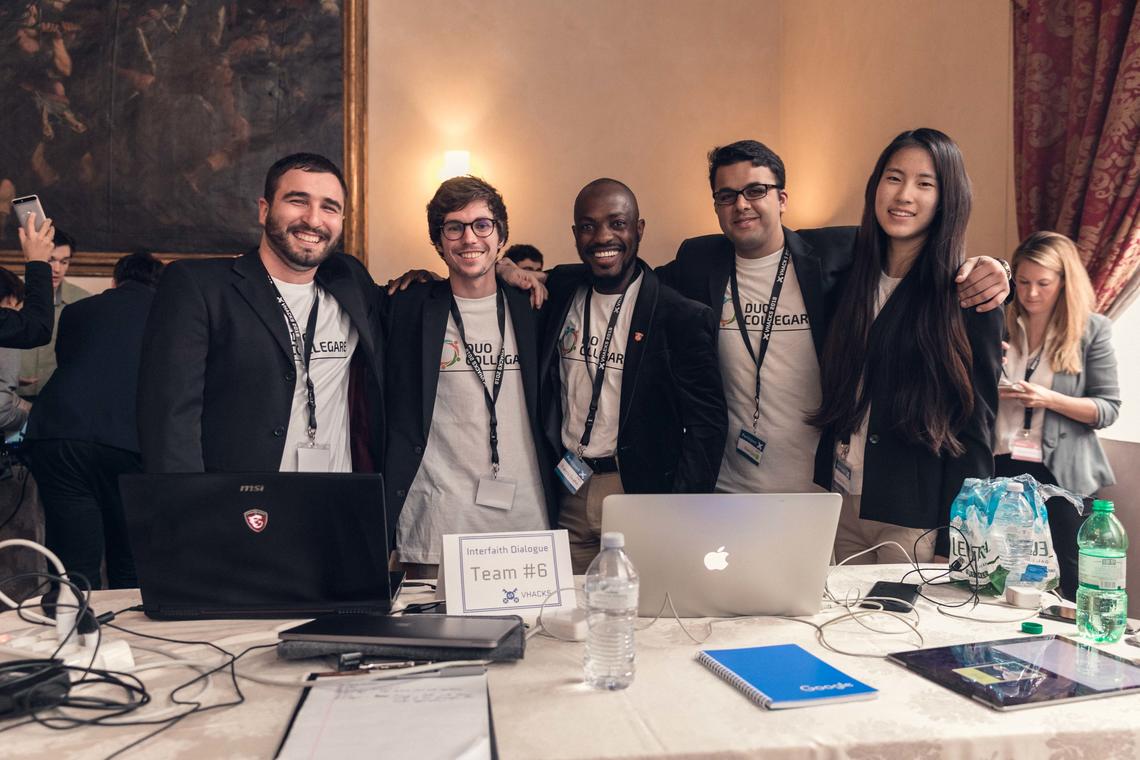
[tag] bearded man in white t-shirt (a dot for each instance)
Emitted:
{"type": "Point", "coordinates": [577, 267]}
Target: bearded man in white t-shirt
{"type": "Point", "coordinates": [252, 364]}
{"type": "Point", "coordinates": [465, 448]}
{"type": "Point", "coordinates": [772, 386]}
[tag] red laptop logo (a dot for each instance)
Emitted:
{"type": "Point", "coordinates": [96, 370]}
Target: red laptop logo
{"type": "Point", "coordinates": [256, 519]}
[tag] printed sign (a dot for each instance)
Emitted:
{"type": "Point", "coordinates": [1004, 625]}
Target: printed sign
{"type": "Point", "coordinates": [506, 573]}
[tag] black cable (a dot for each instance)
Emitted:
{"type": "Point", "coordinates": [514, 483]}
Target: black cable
{"type": "Point", "coordinates": [19, 501]}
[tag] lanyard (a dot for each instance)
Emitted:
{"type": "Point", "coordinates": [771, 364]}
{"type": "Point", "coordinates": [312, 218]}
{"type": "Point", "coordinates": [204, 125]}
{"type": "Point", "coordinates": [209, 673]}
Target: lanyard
{"type": "Point", "coordinates": [1030, 368]}
{"type": "Point", "coordinates": [303, 350]}
{"type": "Point", "coordinates": [766, 325]}
{"type": "Point", "coordinates": [489, 397]}
{"type": "Point", "coordinates": [603, 361]}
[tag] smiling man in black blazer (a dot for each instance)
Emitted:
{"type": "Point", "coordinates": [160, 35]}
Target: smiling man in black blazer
{"type": "Point", "coordinates": [465, 449]}
{"type": "Point", "coordinates": [631, 387]}
{"type": "Point", "coordinates": [270, 361]}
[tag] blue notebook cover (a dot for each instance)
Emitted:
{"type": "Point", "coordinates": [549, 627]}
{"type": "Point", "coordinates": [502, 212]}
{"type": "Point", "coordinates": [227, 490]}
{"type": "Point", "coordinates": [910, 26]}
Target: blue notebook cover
{"type": "Point", "coordinates": [784, 676]}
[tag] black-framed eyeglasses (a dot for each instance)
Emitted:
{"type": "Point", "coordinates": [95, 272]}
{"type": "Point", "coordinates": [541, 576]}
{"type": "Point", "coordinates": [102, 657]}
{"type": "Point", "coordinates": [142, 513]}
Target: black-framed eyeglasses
{"type": "Point", "coordinates": [757, 191]}
{"type": "Point", "coordinates": [482, 227]}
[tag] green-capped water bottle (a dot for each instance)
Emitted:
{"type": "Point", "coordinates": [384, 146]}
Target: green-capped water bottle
{"type": "Point", "coordinates": [1102, 602]}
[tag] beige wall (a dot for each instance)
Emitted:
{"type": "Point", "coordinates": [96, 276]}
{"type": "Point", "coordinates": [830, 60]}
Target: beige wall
{"type": "Point", "coordinates": [856, 74]}
{"type": "Point", "coordinates": [548, 95]}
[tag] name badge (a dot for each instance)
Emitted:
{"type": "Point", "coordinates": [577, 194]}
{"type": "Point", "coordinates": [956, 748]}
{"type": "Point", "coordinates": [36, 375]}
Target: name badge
{"type": "Point", "coordinates": [313, 458]}
{"type": "Point", "coordinates": [573, 472]}
{"type": "Point", "coordinates": [498, 493]}
{"type": "Point", "coordinates": [1024, 446]}
{"type": "Point", "coordinates": [750, 446]}
{"type": "Point", "coordinates": [841, 477]}
{"type": "Point", "coordinates": [506, 573]}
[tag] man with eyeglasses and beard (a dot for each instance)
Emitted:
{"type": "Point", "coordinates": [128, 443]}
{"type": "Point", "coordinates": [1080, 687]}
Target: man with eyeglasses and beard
{"type": "Point", "coordinates": [270, 361]}
{"type": "Point", "coordinates": [632, 391]}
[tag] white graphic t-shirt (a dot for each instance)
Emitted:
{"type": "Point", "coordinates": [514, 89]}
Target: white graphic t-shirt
{"type": "Point", "coordinates": [333, 343]}
{"type": "Point", "coordinates": [580, 363]}
{"type": "Point", "coordinates": [789, 383]}
{"type": "Point", "coordinates": [441, 499]}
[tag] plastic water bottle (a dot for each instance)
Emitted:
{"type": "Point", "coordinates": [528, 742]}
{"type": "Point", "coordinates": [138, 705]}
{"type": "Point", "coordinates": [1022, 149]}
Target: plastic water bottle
{"type": "Point", "coordinates": [611, 609]}
{"type": "Point", "coordinates": [1102, 602]}
{"type": "Point", "coordinates": [1012, 530]}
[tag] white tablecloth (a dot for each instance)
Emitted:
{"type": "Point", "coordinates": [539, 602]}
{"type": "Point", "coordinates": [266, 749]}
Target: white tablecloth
{"type": "Point", "coordinates": [675, 707]}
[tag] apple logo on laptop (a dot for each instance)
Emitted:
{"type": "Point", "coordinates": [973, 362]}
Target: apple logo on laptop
{"type": "Point", "coordinates": [717, 560]}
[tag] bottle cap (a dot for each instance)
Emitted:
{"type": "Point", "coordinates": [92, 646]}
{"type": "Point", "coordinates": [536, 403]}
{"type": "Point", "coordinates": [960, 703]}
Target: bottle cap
{"type": "Point", "coordinates": [1103, 505]}
{"type": "Point", "coordinates": [1030, 627]}
{"type": "Point", "coordinates": [1015, 487]}
{"type": "Point", "coordinates": [613, 540]}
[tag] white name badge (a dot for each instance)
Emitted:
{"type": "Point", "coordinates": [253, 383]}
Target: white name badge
{"type": "Point", "coordinates": [1024, 446]}
{"type": "Point", "coordinates": [498, 493]}
{"type": "Point", "coordinates": [750, 446]}
{"type": "Point", "coordinates": [841, 477]}
{"type": "Point", "coordinates": [573, 472]}
{"type": "Point", "coordinates": [316, 458]}
{"type": "Point", "coordinates": [506, 573]}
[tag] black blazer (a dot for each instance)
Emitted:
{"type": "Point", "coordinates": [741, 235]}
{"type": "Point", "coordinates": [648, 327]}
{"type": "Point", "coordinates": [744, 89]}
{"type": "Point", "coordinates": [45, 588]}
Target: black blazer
{"type": "Point", "coordinates": [30, 326]}
{"type": "Point", "coordinates": [906, 483]}
{"type": "Point", "coordinates": [819, 256]}
{"type": "Point", "coordinates": [672, 422]}
{"type": "Point", "coordinates": [416, 321]}
{"type": "Point", "coordinates": [217, 376]}
{"type": "Point", "coordinates": [91, 396]}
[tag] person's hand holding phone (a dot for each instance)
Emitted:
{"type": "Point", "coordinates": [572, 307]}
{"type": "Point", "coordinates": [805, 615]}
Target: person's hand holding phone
{"type": "Point", "coordinates": [37, 244]}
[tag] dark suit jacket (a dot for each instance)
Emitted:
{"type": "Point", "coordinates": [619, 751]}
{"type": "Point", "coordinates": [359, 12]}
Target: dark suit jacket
{"type": "Point", "coordinates": [217, 375]}
{"type": "Point", "coordinates": [906, 483]}
{"type": "Point", "coordinates": [820, 257]}
{"type": "Point", "coordinates": [416, 321]}
{"type": "Point", "coordinates": [30, 326]}
{"type": "Point", "coordinates": [672, 422]}
{"type": "Point", "coordinates": [91, 395]}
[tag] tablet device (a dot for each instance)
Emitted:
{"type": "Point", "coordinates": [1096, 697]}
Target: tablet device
{"type": "Point", "coordinates": [444, 631]}
{"type": "Point", "coordinates": [1012, 674]}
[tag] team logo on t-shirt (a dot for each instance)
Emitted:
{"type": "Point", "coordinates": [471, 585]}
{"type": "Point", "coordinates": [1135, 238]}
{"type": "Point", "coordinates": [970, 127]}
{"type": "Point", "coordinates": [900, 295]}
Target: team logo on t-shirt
{"type": "Point", "coordinates": [569, 340]}
{"type": "Point", "coordinates": [729, 316]}
{"type": "Point", "coordinates": [450, 354]}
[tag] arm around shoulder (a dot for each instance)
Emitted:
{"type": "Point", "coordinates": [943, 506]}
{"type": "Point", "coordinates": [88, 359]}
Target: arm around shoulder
{"type": "Point", "coordinates": [696, 370]}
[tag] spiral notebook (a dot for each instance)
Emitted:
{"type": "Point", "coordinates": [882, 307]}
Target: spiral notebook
{"type": "Point", "coordinates": [783, 676]}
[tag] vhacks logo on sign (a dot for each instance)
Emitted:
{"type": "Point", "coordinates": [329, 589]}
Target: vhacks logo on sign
{"type": "Point", "coordinates": [256, 519]}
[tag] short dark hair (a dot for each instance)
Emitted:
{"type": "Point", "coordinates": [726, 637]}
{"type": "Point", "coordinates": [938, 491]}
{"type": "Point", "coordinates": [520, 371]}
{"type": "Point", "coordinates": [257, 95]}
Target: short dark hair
{"type": "Point", "coordinates": [306, 162]}
{"type": "Point", "coordinates": [10, 285]}
{"type": "Point", "coordinates": [523, 252]}
{"type": "Point", "coordinates": [61, 238]}
{"type": "Point", "coordinates": [139, 266]}
{"type": "Point", "coordinates": [454, 194]}
{"type": "Point", "coordinates": [756, 153]}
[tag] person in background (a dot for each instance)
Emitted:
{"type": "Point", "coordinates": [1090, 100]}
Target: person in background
{"type": "Point", "coordinates": [1058, 387]}
{"type": "Point", "coordinates": [38, 364]}
{"type": "Point", "coordinates": [909, 377]}
{"type": "Point", "coordinates": [13, 409]}
{"type": "Point", "coordinates": [82, 434]}
{"type": "Point", "coordinates": [525, 257]}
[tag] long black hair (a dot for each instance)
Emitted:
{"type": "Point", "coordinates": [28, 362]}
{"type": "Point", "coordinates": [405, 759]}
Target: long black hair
{"type": "Point", "coordinates": [922, 349]}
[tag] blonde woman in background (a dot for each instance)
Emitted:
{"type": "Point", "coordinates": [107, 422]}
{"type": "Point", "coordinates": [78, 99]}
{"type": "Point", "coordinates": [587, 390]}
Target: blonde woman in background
{"type": "Point", "coordinates": [1059, 385]}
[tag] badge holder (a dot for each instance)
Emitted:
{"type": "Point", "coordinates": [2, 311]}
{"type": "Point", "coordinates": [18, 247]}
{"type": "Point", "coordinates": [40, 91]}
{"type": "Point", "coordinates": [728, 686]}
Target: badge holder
{"type": "Point", "coordinates": [841, 476]}
{"type": "Point", "coordinates": [1024, 446]}
{"type": "Point", "coordinates": [750, 446]}
{"type": "Point", "coordinates": [313, 456]}
{"type": "Point", "coordinates": [573, 472]}
{"type": "Point", "coordinates": [496, 492]}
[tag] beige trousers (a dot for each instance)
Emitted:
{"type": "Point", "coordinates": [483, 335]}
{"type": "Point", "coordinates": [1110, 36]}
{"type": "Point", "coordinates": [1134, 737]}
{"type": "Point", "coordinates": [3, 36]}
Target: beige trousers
{"type": "Point", "coordinates": [581, 516]}
{"type": "Point", "coordinates": [856, 534]}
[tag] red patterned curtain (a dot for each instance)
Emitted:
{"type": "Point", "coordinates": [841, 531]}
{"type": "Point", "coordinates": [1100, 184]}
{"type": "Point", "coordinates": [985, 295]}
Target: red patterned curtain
{"type": "Point", "coordinates": [1076, 113]}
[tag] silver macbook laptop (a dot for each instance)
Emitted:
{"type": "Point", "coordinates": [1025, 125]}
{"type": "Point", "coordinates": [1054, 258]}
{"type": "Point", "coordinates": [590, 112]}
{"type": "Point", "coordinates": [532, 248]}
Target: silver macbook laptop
{"type": "Point", "coordinates": [721, 555]}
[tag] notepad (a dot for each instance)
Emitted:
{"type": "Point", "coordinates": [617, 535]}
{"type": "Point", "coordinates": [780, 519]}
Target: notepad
{"type": "Point", "coordinates": [783, 676]}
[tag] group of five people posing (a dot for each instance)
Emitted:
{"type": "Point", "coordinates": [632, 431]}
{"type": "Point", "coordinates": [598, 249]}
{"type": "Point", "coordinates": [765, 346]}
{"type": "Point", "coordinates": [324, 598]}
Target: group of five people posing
{"type": "Point", "coordinates": [864, 360]}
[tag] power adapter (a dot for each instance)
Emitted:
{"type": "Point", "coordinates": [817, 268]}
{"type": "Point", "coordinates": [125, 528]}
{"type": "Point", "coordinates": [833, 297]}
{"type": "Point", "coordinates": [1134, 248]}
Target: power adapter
{"type": "Point", "coordinates": [1026, 598]}
{"type": "Point", "coordinates": [567, 624]}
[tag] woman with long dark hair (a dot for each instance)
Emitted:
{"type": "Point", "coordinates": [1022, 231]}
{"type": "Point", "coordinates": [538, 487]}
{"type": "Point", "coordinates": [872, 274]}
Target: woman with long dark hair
{"type": "Point", "coordinates": [909, 378]}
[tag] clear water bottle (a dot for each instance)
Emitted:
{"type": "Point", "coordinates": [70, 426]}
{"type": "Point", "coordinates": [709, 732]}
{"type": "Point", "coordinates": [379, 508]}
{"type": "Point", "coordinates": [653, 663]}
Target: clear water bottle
{"type": "Point", "coordinates": [1102, 602]}
{"type": "Point", "coordinates": [611, 609]}
{"type": "Point", "coordinates": [1014, 538]}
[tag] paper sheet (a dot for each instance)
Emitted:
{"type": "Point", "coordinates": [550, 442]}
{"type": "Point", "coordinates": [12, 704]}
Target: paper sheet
{"type": "Point", "coordinates": [437, 715]}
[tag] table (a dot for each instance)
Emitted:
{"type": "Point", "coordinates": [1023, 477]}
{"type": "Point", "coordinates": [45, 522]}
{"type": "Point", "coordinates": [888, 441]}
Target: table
{"type": "Point", "coordinates": [674, 708]}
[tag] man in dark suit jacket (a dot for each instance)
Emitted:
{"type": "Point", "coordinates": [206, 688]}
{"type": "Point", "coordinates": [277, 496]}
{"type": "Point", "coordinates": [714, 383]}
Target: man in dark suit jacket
{"type": "Point", "coordinates": [659, 425]}
{"type": "Point", "coordinates": [82, 432]}
{"type": "Point", "coordinates": [441, 452]}
{"type": "Point", "coordinates": [749, 197]}
{"type": "Point", "coordinates": [233, 345]}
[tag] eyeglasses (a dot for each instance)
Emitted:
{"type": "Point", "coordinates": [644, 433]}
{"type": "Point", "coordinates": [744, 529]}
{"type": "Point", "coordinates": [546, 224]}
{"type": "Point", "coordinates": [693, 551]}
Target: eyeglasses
{"type": "Point", "coordinates": [754, 192]}
{"type": "Point", "coordinates": [482, 227]}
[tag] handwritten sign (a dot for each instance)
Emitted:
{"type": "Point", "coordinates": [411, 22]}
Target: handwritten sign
{"type": "Point", "coordinates": [506, 573]}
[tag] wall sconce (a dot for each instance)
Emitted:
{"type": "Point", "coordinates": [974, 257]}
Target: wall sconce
{"type": "Point", "coordinates": [456, 163]}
